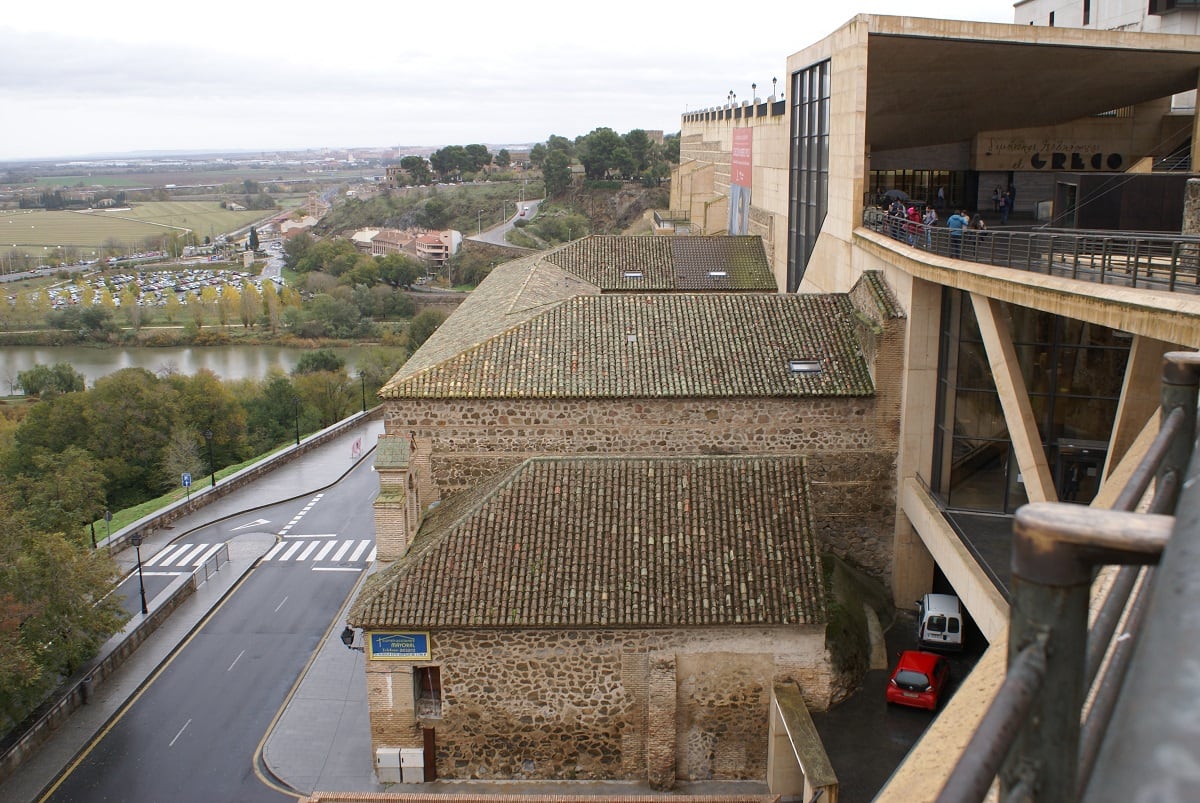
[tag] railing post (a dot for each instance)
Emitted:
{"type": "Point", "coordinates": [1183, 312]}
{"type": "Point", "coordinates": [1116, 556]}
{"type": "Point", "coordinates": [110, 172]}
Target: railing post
{"type": "Point", "coordinates": [1051, 607]}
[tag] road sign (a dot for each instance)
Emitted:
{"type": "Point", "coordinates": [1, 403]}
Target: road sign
{"type": "Point", "coordinates": [187, 480]}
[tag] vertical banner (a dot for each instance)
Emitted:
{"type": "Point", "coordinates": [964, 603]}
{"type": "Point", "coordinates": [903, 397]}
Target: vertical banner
{"type": "Point", "coordinates": [740, 172]}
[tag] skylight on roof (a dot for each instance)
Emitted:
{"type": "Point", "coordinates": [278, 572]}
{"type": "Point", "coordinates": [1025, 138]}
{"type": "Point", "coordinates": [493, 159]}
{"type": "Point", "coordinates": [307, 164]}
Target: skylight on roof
{"type": "Point", "coordinates": [633, 274]}
{"type": "Point", "coordinates": [804, 366]}
{"type": "Point", "coordinates": [718, 274]}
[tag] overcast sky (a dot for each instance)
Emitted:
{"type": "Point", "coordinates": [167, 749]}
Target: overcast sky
{"type": "Point", "coordinates": [94, 77]}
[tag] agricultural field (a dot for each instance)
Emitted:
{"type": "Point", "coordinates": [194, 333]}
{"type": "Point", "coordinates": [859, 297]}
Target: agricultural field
{"type": "Point", "coordinates": [38, 232]}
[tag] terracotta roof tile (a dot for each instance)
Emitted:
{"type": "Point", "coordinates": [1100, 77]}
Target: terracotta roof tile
{"type": "Point", "coordinates": [654, 346]}
{"type": "Point", "coordinates": [582, 542]}
{"type": "Point", "coordinates": [668, 264]}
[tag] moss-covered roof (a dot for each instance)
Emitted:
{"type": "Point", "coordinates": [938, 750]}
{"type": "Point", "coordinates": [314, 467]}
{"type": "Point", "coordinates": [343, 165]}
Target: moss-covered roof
{"type": "Point", "coordinates": [657, 346]}
{"type": "Point", "coordinates": [668, 264]}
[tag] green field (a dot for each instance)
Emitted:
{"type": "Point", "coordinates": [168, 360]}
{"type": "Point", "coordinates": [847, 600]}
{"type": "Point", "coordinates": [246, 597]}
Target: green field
{"type": "Point", "coordinates": [38, 232]}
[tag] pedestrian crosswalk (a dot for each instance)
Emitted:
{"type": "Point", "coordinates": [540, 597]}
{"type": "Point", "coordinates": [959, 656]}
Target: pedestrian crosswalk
{"type": "Point", "coordinates": [335, 551]}
{"type": "Point", "coordinates": [187, 556]}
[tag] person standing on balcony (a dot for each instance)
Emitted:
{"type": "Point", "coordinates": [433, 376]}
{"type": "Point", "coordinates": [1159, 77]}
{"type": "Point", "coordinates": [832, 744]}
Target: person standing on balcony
{"type": "Point", "coordinates": [957, 223]}
{"type": "Point", "coordinates": [929, 221]}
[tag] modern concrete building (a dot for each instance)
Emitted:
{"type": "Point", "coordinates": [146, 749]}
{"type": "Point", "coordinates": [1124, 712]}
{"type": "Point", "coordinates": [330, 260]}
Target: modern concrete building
{"type": "Point", "coordinates": [1031, 368]}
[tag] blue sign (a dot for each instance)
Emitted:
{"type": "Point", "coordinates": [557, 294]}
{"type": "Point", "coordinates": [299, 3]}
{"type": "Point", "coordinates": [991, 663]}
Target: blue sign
{"type": "Point", "coordinates": [187, 479]}
{"type": "Point", "coordinates": [399, 646]}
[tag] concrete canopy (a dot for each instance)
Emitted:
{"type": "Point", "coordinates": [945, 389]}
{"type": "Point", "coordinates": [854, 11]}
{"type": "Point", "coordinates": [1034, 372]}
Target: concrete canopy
{"type": "Point", "coordinates": [955, 80]}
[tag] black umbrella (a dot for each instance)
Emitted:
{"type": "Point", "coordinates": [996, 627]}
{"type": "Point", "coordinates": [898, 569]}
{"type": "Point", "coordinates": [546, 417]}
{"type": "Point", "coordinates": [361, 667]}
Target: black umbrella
{"type": "Point", "coordinates": [895, 194]}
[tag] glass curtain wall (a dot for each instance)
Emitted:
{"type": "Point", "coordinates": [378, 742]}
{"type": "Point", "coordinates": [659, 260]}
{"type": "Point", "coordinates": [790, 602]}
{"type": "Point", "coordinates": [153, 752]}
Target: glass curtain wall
{"type": "Point", "coordinates": [809, 190]}
{"type": "Point", "coordinates": [1073, 372]}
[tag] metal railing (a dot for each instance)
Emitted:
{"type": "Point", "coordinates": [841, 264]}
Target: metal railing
{"type": "Point", "coordinates": [1059, 728]}
{"type": "Point", "coordinates": [1128, 259]}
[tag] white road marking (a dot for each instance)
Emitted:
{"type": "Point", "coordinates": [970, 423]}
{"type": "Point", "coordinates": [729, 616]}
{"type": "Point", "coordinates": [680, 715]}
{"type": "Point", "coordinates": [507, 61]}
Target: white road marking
{"type": "Point", "coordinates": [181, 730]}
{"type": "Point", "coordinates": [281, 604]}
{"type": "Point", "coordinates": [235, 660]}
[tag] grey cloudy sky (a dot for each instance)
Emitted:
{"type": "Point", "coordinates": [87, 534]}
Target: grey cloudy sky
{"type": "Point", "coordinates": [84, 78]}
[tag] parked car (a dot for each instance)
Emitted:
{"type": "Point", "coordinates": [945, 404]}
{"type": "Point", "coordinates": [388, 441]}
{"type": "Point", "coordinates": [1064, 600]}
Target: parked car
{"type": "Point", "coordinates": [939, 622]}
{"type": "Point", "coordinates": [919, 679]}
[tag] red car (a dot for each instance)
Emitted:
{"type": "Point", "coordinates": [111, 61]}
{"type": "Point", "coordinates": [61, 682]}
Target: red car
{"type": "Point", "coordinates": [918, 679]}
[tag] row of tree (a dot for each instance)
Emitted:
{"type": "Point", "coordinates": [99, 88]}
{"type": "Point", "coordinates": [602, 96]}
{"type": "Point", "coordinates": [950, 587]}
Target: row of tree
{"type": "Point", "coordinates": [78, 452]}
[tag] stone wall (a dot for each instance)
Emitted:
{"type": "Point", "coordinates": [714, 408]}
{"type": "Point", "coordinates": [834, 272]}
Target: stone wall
{"type": "Point", "coordinates": [851, 446]}
{"type": "Point", "coordinates": [601, 704]}
{"type": "Point", "coordinates": [1191, 207]}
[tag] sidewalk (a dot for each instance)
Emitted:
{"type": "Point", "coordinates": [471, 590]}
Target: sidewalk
{"type": "Point", "coordinates": [318, 469]}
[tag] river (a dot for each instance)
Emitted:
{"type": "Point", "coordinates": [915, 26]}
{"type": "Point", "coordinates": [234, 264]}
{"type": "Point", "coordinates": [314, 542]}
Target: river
{"type": "Point", "coordinates": [227, 362]}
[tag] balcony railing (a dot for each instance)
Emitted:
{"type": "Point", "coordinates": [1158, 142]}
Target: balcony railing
{"type": "Point", "coordinates": [1127, 259]}
{"type": "Point", "coordinates": [1097, 715]}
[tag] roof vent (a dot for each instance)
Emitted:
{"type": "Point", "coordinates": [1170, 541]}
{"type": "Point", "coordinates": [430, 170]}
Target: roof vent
{"type": "Point", "coordinates": [804, 366]}
{"type": "Point", "coordinates": [718, 274]}
{"type": "Point", "coordinates": [633, 274]}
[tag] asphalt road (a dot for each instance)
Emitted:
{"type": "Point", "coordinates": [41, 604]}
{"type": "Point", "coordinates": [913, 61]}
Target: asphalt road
{"type": "Point", "coordinates": [195, 730]}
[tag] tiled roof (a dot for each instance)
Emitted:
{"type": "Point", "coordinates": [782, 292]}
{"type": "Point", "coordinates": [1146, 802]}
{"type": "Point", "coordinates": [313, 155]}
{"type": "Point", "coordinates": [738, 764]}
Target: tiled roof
{"type": "Point", "coordinates": [612, 542]}
{"type": "Point", "coordinates": [668, 264]}
{"type": "Point", "coordinates": [885, 300]}
{"type": "Point", "coordinates": [512, 293]}
{"type": "Point", "coordinates": [647, 346]}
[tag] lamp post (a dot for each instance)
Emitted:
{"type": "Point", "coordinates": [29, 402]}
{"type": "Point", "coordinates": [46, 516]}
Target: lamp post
{"type": "Point", "coordinates": [296, 407]}
{"type": "Point", "coordinates": [136, 540]}
{"type": "Point", "coordinates": [212, 468]}
{"type": "Point", "coordinates": [362, 375]}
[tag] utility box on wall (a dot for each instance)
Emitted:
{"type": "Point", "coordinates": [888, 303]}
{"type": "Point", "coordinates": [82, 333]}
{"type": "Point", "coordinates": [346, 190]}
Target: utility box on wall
{"type": "Point", "coordinates": [387, 764]}
{"type": "Point", "coordinates": [412, 764]}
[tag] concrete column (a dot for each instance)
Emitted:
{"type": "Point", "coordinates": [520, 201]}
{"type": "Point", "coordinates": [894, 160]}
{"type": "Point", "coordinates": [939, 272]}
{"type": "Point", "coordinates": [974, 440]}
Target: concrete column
{"type": "Point", "coordinates": [912, 565]}
{"type": "Point", "coordinates": [1141, 393]}
{"type": "Point", "coordinates": [1014, 399]}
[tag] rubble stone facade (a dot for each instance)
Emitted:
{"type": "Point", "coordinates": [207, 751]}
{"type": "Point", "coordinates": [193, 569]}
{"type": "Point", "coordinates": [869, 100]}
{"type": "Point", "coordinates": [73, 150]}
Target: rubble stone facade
{"type": "Point", "coordinates": [600, 704]}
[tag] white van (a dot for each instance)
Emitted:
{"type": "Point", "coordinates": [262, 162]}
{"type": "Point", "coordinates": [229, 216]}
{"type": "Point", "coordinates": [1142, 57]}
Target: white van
{"type": "Point", "coordinates": [939, 622]}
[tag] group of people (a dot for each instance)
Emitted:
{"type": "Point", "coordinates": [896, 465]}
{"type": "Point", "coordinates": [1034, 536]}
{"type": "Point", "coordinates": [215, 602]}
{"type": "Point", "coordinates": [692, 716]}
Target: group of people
{"type": "Point", "coordinates": [909, 222]}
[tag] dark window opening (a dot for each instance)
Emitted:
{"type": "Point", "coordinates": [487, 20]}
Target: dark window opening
{"type": "Point", "coordinates": [427, 687]}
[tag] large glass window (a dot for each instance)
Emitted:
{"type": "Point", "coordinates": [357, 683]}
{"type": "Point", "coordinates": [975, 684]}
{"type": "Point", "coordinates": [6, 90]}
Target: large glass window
{"type": "Point", "coordinates": [1073, 372]}
{"type": "Point", "coordinates": [809, 190]}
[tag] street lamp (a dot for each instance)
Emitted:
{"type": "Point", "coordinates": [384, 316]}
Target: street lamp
{"type": "Point", "coordinates": [363, 376]}
{"type": "Point", "coordinates": [296, 407]}
{"type": "Point", "coordinates": [212, 467]}
{"type": "Point", "coordinates": [136, 540]}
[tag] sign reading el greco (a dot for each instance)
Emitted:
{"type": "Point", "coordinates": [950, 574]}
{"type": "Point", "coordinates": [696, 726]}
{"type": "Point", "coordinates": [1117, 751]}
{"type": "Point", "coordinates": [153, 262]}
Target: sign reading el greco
{"type": "Point", "coordinates": [398, 646]}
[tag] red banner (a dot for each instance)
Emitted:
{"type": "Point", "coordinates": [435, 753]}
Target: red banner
{"type": "Point", "coordinates": [743, 157]}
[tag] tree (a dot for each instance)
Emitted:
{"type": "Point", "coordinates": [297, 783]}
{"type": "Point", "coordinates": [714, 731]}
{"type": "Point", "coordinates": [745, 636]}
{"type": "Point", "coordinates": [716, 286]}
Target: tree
{"type": "Point", "coordinates": [251, 305]}
{"type": "Point", "coordinates": [252, 242]}
{"type": "Point", "coordinates": [424, 324]}
{"type": "Point", "coordinates": [55, 610]}
{"type": "Point", "coordinates": [477, 157]}
{"type": "Point", "coordinates": [328, 393]}
{"type": "Point", "coordinates": [270, 414]}
{"type": "Point", "coordinates": [296, 248]}
{"type": "Point", "coordinates": [319, 360]}
{"type": "Point", "coordinates": [181, 454]}
{"type": "Point", "coordinates": [417, 168]}
{"type": "Point", "coordinates": [556, 173]}
{"type": "Point", "coordinates": [597, 152]}
{"type": "Point", "coordinates": [65, 492]}
{"type": "Point", "coordinates": [503, 158]}
{"type": "Point", "coordinates": [130, 307]}
{"type": "Point", "coordinates": [641, 148]}
{"type": "Point", "coordinates": [172, 307]}
{"type": "Point", "coordinates": [49, 381]}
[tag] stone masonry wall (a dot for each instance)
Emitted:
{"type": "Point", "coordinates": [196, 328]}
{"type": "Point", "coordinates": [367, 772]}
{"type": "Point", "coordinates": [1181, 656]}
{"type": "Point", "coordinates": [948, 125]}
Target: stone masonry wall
{"type": "Point", "coordinates": [547, 704]}
{"type": "Point", "coordinates": [850, 446]}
